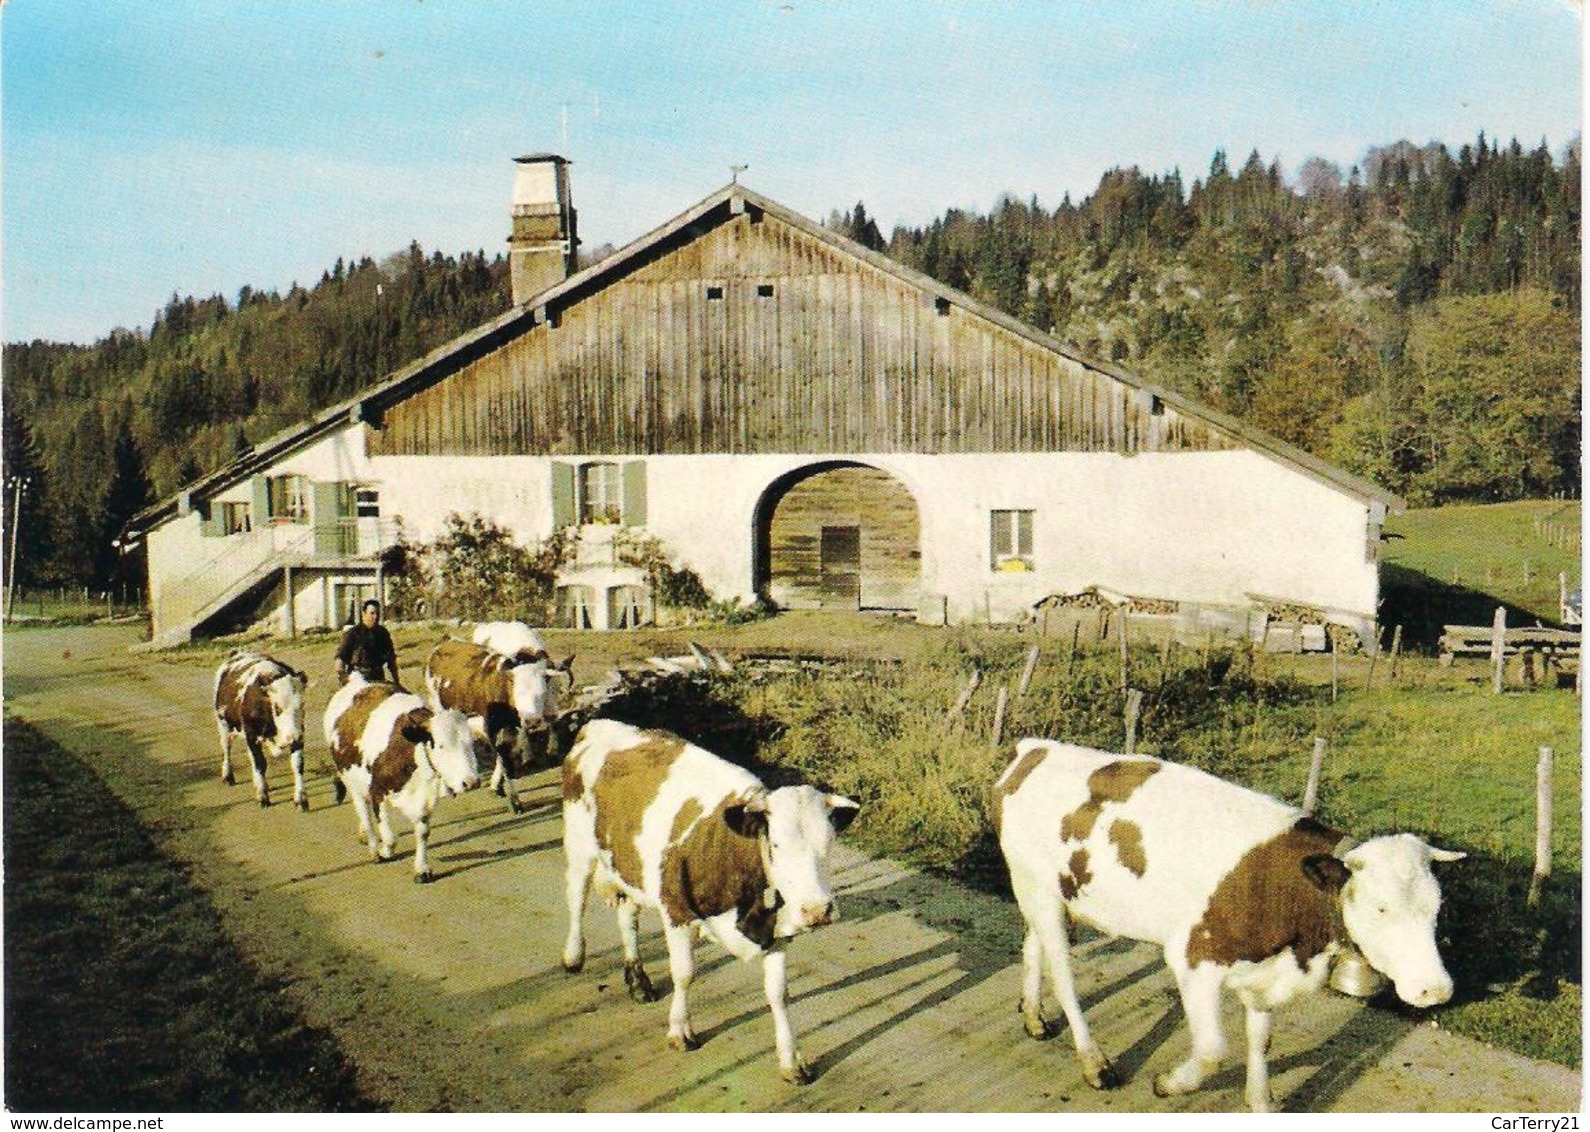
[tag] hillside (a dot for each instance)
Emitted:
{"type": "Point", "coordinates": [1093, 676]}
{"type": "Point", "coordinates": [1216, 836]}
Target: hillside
{"type": "Point", "coordinates": [1414, 320]}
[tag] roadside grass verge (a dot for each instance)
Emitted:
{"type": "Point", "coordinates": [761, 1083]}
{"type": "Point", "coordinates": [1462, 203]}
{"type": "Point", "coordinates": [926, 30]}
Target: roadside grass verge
{"type": "Point", "coordinates": [1444, 759]}
{"type": "Point", "coordinates": [122, 992]}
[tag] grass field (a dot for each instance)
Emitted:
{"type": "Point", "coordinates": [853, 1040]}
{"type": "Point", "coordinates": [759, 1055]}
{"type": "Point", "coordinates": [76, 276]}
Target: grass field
{"type": "Point", "coordinates": [122, 993]}
{"type": "Point", "coordinates": [1455, 565]}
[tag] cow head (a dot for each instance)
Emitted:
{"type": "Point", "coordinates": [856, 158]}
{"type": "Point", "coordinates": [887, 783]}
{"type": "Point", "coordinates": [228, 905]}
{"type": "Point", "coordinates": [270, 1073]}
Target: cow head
{"type": "Point", "coordinates": [1389, 903]}
{"type": "Point", "coordinates": [449, 745]}
{"type": "Point", "coordinates": [796, 826]}
{"type": "Point", "coordinates": [535, 697]}
{"type": "Point", "coordinates": [286, 695]}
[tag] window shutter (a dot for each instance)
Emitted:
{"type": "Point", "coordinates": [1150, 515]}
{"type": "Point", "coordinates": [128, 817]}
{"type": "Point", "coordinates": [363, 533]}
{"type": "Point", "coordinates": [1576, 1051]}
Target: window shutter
{"type": "Point", "coordinates": [635, 493]}
{"type": "Point", "coordinates": [562, 495]}
{"type": "Point", "coordinates": [262, 502]}
{"type": "Point", "coordinates": [209, 518]}
{"type": "Point", "coordinates": [328, 501]}
{"type": "Point", "coordinates": [1024, 533]}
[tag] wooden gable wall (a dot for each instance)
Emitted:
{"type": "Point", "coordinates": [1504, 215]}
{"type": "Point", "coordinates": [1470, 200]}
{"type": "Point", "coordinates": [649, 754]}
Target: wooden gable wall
{"type": "Point", "coordinates": [757, 337]}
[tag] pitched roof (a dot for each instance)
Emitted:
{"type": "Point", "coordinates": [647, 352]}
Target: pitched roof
{"type": "Point", "coordinates": [729, 200]}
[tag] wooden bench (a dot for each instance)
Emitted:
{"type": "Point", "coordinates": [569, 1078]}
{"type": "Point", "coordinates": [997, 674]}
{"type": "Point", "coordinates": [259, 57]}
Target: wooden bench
{"type": "Point", "coordinates": [1538, 650]}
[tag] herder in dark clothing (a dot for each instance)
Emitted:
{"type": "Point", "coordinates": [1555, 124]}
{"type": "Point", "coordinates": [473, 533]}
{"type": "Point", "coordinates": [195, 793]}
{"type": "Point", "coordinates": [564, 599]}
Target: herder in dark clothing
{"type": "Point", "coordinates": [367, 647]}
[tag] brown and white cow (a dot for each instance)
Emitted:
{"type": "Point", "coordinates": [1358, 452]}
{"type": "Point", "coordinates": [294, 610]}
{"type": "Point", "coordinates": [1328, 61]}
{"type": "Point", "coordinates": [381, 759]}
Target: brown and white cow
{"type": "Point", "coordinates": [511, 638]}
{"type": "Point", "coordinates": [263, 700]}
{"type": "Point", "coordinates": [661, 823]}
{"type": "Point", "coordinates": [1241, 890]}
{"type": "Point", "coordinates": [393, 752]}
{"type": "Point", "coordinates": [511, 700]}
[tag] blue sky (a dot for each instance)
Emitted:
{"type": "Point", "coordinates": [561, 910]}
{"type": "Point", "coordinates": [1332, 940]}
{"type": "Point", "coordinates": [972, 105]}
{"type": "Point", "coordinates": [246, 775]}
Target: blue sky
{"type": "Point", "coordinates": [166, 146]}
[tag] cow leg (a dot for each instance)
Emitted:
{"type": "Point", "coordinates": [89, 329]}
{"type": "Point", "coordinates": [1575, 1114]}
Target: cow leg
{"type": "Point", "coordinates": [1046, 919]}
{"type": "Point", "coordinates": [502, 785]}
{"type": "Point", "coordinates": [422, 864]}
{"type": "Point", "coordinates": [388, 838]}
{"type": "Point", "coordinates": [1200, 1000]}
{"type": "Point", "coordinates": [640, 988]}
{"type": "Point", "coordinates": [682, 966]}
{"type": "Point", "coordinates": [1031, 1006]}
{"type": "Point", "coordinates": [300, 791]}
{"type": "Point", "coordinates": [226, 751]}
{"type": "Point", "coordinates": [361, 810]}
{"type": "Point", "coordinates": [256, 758]}
{"type": "Point", "coordinates": [1260, 1098]}
{"type": "Point", "coordinates": [775, 982]}
{"type": "Point", "coordinates": [579, 855]}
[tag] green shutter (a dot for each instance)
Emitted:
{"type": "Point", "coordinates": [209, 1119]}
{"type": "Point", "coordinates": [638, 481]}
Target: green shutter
{"type": "Point", "coordinates": [209, 518]}
{"type": "Point", "coordinates": [262, 502]}
{"type": "Point", "coordinates": [332, 535]}
{"type": "Point", "coordinates": [562, 495]}
{"type": "Point", "coordinates": [635, 493]}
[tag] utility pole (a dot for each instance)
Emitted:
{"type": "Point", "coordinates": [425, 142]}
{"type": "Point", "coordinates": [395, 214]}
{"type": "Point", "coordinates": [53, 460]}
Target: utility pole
{"type": "Point", "coordinates": [18, 484]}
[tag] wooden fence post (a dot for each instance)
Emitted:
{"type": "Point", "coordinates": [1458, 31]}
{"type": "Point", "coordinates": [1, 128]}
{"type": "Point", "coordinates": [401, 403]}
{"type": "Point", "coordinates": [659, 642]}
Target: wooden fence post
{"type": "Point", "coordinates": [1122, 616]}
{"type": "Point", "coordinates": [1026, 673]}
{"type": "Point", "coordinates": [1311, 791]}
{"type": "Point", "coordinates": [1396, 651]}
{"type": "Point", "coordinates": [1071, 658]}
{"type": "Point", "coordinates": [1498, 647]}
{"type": "Point", "coordinates": [1335, 653]}
{"type": "Point", "coordinates": [1134, 707]}
{"type": "Point", "coordinates": [999, 717]}
{"type": "Point", "coordinates": [964, 698]}
{"type": "Point", "coordinates": [1542, 826]}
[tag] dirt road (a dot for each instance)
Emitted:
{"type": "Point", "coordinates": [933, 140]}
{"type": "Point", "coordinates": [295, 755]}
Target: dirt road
{"type": "Point", "coordinates": [451, 996]}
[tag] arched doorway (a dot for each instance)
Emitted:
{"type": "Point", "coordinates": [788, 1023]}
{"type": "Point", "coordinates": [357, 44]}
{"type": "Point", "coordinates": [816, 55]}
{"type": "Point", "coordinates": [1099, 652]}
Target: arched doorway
{"type": "Point", "coordinates": [838, 535]}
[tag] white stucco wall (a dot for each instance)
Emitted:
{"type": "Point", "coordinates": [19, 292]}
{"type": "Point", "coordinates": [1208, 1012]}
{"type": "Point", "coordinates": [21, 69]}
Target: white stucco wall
{"type": "Point", "coordinates": [1211, 527]}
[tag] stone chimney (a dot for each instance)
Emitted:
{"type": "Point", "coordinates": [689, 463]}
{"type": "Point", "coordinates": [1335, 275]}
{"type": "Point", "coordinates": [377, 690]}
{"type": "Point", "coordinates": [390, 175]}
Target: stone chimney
{"type": "Point", "coordinates": [544, 241]}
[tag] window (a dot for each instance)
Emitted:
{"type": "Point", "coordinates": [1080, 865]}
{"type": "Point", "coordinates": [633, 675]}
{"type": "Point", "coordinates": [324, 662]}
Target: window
{"type": "Point", "coordinates": [367, 502]}
{"type": "Point", "coordinates": [764, 290]}
{"type": "Point", "coordinates": [288, 499]}
{"type": "Point", "coordinates": [1010, 537]}
{"type": "Point", "coordinates": [574, 607]}
{"type": "Point", "coordinates": [941, 305]}
{"type": "Point", "coordinates": [714, 292]}
{"type": "Point", "coordinates": [601, 493]}
{"type": "Point", "coordinates": [234, 518]}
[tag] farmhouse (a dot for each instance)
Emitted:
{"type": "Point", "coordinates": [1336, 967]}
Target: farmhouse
{"type": "Point", "coordinates": [790, 415]}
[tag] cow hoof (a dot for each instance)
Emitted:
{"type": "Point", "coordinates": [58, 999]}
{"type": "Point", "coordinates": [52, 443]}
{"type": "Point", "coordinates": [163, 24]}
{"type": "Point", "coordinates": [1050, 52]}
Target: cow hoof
{"type": "Point", "coordinates": [576, 967]}
{"type": "Point", "coordinates": [228, 779]}
{"type": "Point", "coordinates": [798, 1074]}
{"type": "Point", "coordinates": [303, 804]}
{"type": "Point", "coordinates": [500, 789]}
{"type": "Point", "coordinates": [513, 803]}
{"type": "Point", "coordinates": [264, 803]}
{"type": "Point", "coordinates": [1039, 1028]}
{"type": "Point", "coordinates": [1166, 1086]}
{"type": "Point", "coordinates": [1106, 1076]}
{"type": "Point", "coordinates": [640, 988]}
{"type": "Point", "coordinates": [684, 1042]}
{"type": "Point", "coordinates": [425, 877]}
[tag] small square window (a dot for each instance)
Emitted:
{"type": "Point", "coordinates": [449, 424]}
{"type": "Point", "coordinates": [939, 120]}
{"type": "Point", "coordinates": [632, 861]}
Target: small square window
{"type": "Point", "coordinates": [764, 290]}
{"type": "Point", "coordinates": [367, 503]}
{"type": "Point", "coordinates": [1010, 541]}
{"type": "Point", "coordinates": [234, 518]}
{"type": "Point", "coordinates": [714, 292]}
{"type": "Point", "coordinates": [941, 305]}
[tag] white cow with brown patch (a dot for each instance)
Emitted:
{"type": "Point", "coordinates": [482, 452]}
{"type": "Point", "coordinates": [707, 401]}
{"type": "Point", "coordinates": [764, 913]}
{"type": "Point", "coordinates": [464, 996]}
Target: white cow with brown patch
{"type": "Point", "coordinates": [263, 700]}
{"type": "Point", "coordinates": [1242, 891]}
{"type": "Point", "coordinates": [393, 752]}
{"type": "Point", "coordinates": [661, 823]}
{"type": "Point", "coordinates": [511, 700]}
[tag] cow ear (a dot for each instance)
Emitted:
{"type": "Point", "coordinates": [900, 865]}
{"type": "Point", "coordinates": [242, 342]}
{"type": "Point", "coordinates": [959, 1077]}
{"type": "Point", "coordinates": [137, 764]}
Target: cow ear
{"type": "Point", "coordinates": [416, 728]}
{"type": "Point", "coordinates": [565, 665]}
{"type": "Point", "coordinates": [749, 819]}
{"type": "Point", "coordinates": [1327, 873]}
{"type": "Point", "coordinates": [841, 811]}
